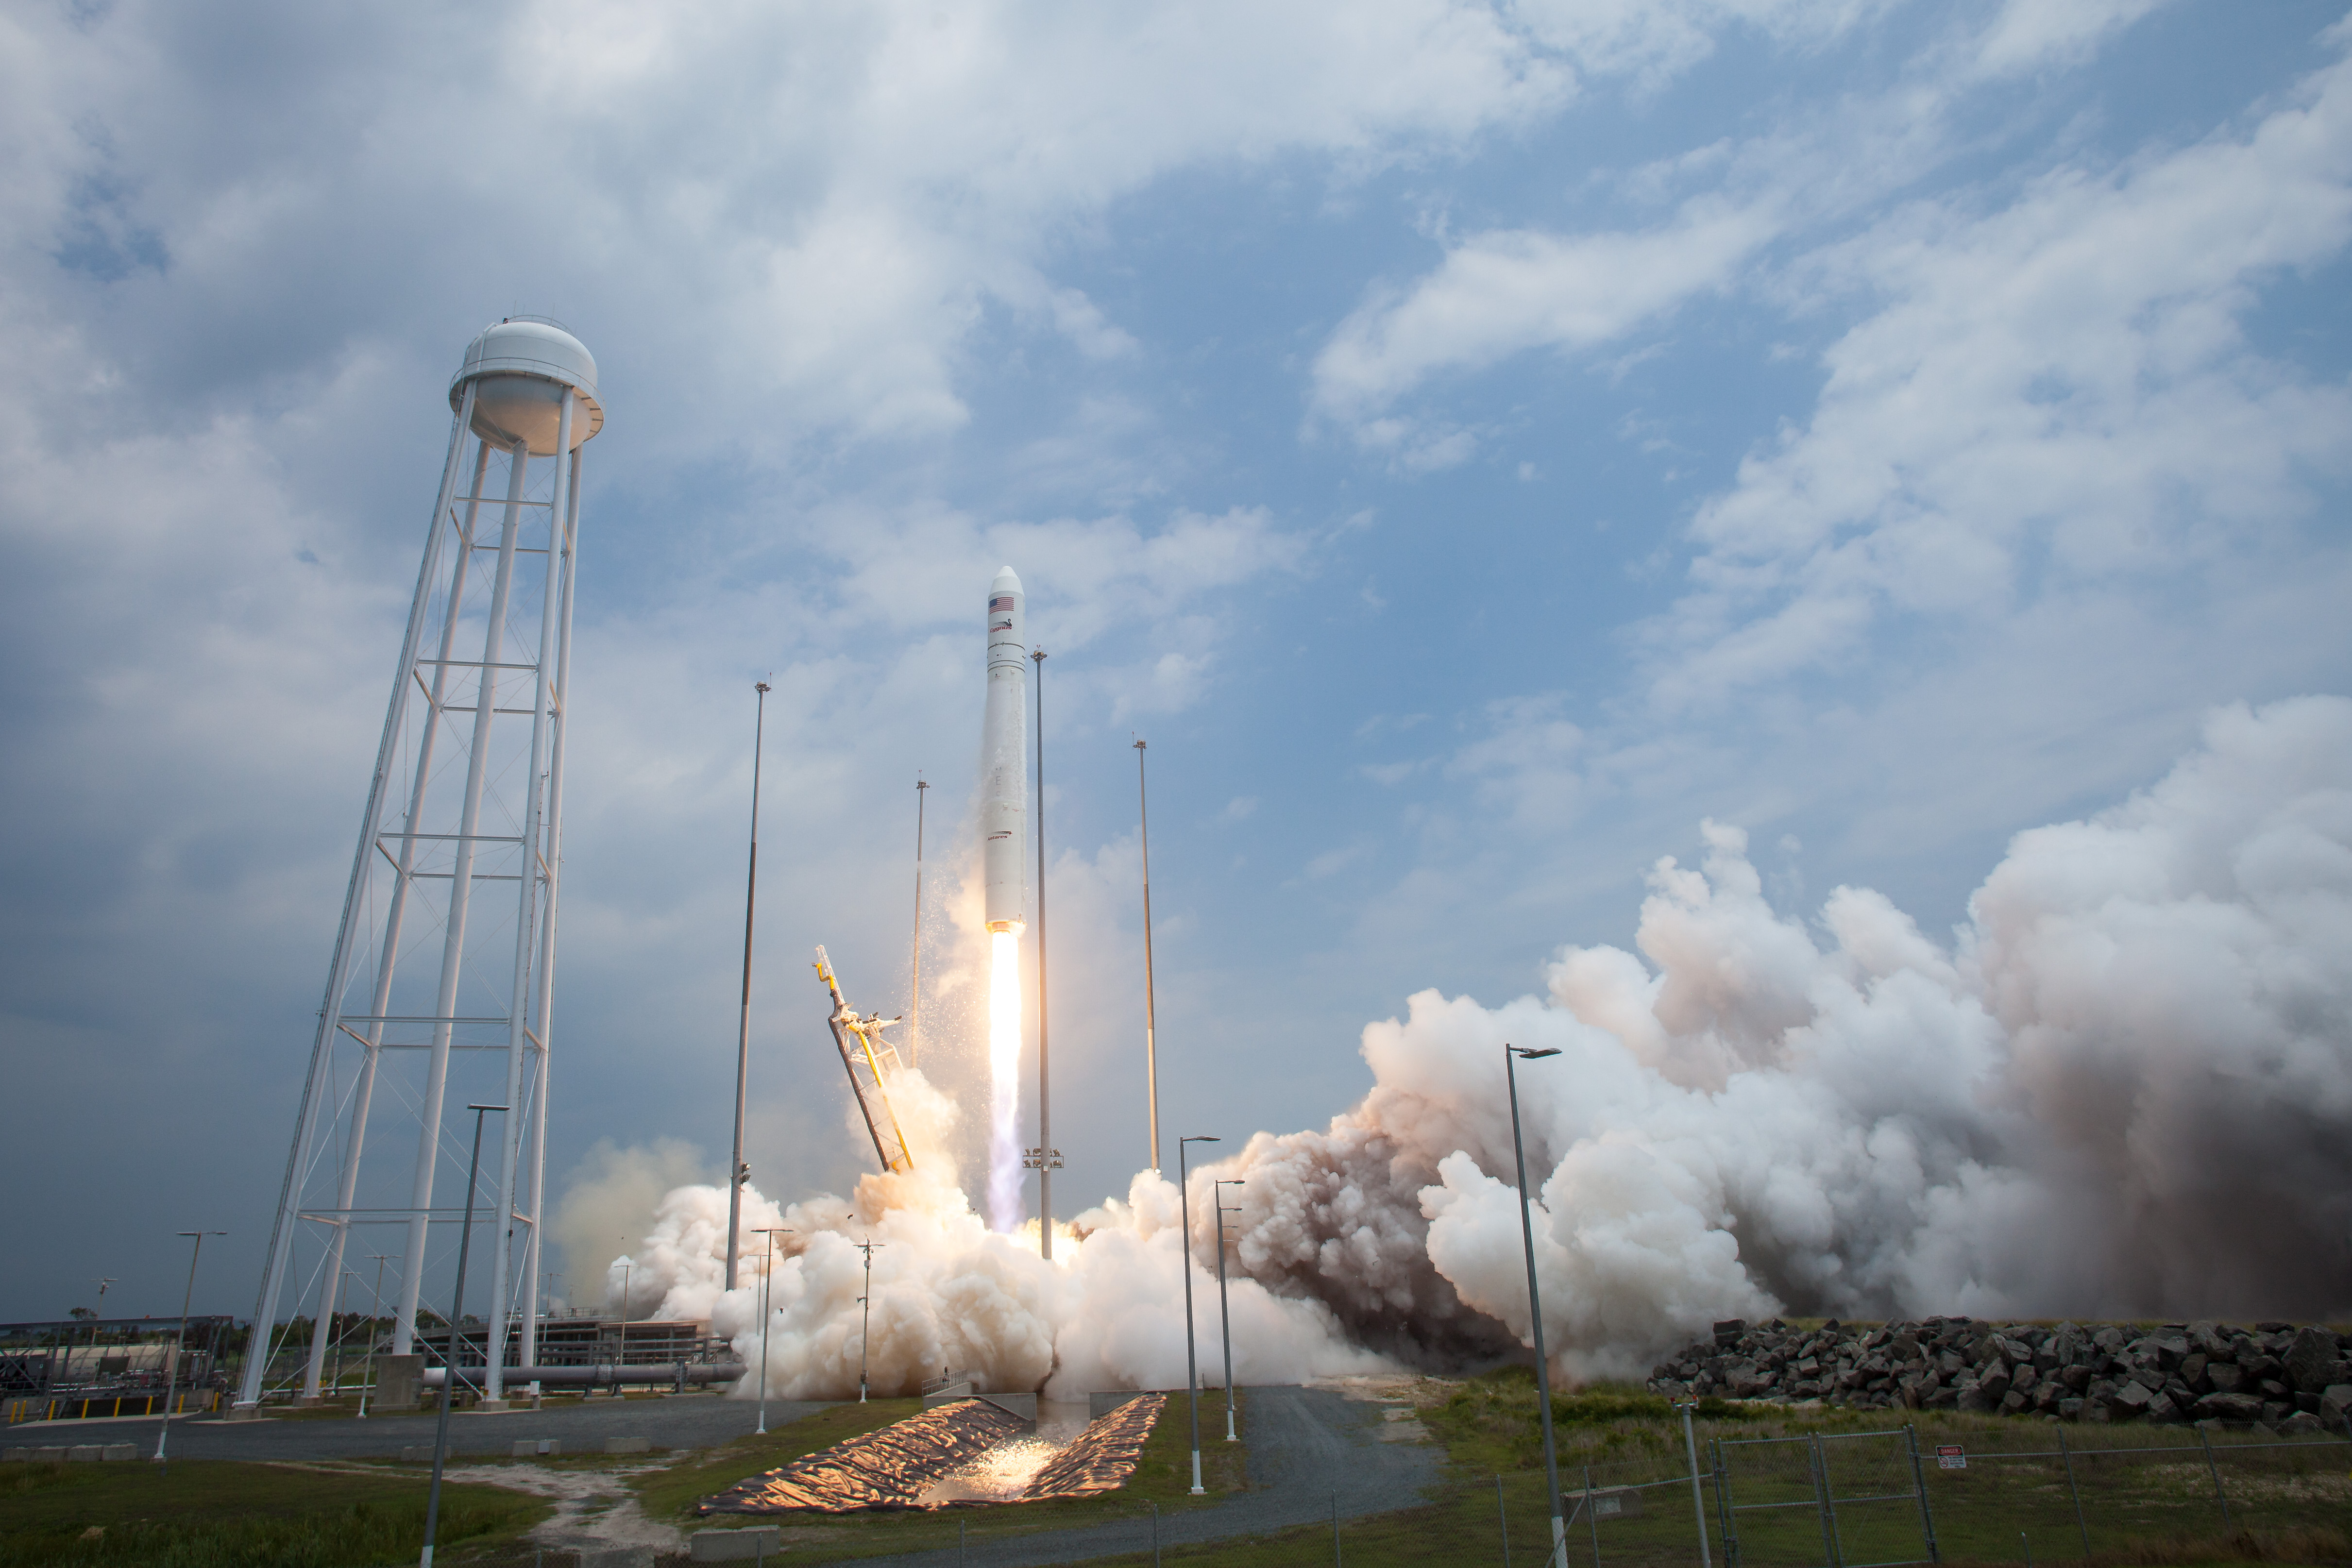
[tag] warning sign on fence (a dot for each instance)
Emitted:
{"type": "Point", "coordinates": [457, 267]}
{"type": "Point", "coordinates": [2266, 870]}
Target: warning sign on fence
{"type": "Point", "coordinates": [1951, 1456]}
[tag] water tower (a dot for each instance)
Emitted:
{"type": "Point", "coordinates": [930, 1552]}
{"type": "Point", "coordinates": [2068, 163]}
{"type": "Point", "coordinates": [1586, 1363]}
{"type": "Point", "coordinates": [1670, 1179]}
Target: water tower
{"type": "Point", "coordinates": [443, 975]}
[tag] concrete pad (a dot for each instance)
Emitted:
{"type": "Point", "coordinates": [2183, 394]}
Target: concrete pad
{"type": "Point", "coordinates": [86, 1453]}
{"type": "Point", "coordinates": [617, 1557]}
{"type": "Point", "coordinates": [122, 1451]}
{"type": "Point", "coordinates": [533, 1447]}
{"type": "Point", "coordinates": [1101, 1405]}
{"type": "Point", "coordinates": [50, 1454]}
{"type": "Point", "coordinates": [628, 1446]}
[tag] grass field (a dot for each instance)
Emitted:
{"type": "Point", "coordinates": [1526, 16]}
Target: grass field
{"type": "Point", "coordinates": [201, 1513]}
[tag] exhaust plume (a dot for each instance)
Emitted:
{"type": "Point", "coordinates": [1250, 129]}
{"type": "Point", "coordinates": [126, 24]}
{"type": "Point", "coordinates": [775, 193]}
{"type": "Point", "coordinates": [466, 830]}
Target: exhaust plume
{"type": "Point", "coordinates": [2122, 1088]}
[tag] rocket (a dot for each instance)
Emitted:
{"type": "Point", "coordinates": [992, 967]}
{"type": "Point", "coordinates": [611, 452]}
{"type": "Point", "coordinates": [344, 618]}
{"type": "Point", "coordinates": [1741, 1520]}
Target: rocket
{"type": "Point", "coordinates": [1005, 760]}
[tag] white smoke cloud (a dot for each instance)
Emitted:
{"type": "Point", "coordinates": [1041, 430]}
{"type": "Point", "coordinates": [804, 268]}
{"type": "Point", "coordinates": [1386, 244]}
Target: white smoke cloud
{"type": "Point", "coordinates": [2124, 1087]}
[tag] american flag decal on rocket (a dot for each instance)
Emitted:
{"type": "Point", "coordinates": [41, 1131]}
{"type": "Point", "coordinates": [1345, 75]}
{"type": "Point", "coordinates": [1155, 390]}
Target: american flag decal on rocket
{"type": "Point", "coordinates": [1003, 602]}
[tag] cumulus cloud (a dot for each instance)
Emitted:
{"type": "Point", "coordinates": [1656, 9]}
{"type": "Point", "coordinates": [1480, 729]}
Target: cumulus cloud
{"type": "Point", "coordinates": [2066, 378]}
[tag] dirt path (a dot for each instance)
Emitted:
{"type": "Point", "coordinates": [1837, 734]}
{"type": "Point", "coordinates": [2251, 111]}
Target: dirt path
{"type": "Point", "coordinates": [594, 1508]}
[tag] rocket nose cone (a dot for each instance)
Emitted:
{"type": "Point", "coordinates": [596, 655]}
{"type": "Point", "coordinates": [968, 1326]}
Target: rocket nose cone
{"type": "Point", "coordinates": [1005, 581]}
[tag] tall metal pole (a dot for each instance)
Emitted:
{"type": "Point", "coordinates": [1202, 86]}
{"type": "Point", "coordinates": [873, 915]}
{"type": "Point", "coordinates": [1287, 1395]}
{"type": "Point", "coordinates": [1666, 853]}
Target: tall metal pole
{"type": "Point", "coordinates": [1698, 1498]}
{"type": "Point", "coordinates": [737, 1170]}
{"type": "Point", "coordinates": [1047, 1157]}
{"type": "Point", "coordinates": [866, 1316]}
{"type": "Point", "coordinates": [1185, 1260]}
{"type": "Point", "coordinates": [915, 980]}
{"type": "Point", "coordinates": [766, 1311]}
{"type": "Point", "coordinates": [1535, 1304]}
{"type": "Point", "coordinates": [375, 1316]}
{"type": "Point", "coordinates": [449, 1363]}
{"type": "Point", "coordinates": [1150, 1007]}
{"type": "Point", "coordinates": [1224, 1313]}
{"type": "Point", "coordinates": [179, 1342]}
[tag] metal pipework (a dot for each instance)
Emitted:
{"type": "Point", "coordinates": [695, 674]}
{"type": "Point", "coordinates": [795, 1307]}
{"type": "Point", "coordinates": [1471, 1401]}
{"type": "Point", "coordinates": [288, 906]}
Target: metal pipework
{"type": "Point", "coordinates": [603, 1375]}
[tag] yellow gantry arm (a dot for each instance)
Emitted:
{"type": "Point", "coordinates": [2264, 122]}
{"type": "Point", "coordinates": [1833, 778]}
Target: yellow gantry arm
{"type": "Point", "coordinates": [875, 1085]}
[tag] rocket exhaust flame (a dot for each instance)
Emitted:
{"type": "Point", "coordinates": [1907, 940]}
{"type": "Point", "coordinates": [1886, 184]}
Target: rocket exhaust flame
{"type": "Point", "coordinates": [1004, 1081]}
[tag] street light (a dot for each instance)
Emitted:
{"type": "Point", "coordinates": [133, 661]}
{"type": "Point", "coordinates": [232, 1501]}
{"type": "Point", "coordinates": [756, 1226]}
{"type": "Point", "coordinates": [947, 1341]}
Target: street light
{"type": "Point", "coordinates": [865, 1313]}
{"type": "Point", "coordinates": [171, 1378]}
{"type": "Point", "coordinates": [1192, 1377]}
{"type": "Point", "coordinates": [376, 1312]}
{"type": "Point", "coordinates": [97, 1316]}
{"type": "Point", "coordinates": [449, 1365]}
{"type": "Point", "coordinates": [1224, 1313]}
{"type": "Point", "coordinates": [771, 1232]}
{"type": "Point", "coordinates": [1535, 1304]}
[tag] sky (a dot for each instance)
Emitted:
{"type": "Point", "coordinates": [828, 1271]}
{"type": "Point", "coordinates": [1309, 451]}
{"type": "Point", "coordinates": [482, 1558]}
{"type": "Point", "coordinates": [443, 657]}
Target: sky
{"type": "Point", "coordinates": [1475, 445]}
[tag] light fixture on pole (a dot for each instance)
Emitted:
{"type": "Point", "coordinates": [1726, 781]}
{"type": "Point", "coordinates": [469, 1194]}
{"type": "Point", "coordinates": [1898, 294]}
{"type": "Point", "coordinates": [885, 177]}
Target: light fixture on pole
{"type": "Point", "coordinates": [1224, 1313]}
{"type": "Point", "coordinates": [737, 1171]}
{"type": "Point", "coordinates": [1512, 1056]}
{"type": "Point", "coordinates": [1044, 1159]}
{"type": "Point", "coordinates": [866, 1312]}
{"type": "Point", "coordinates": [914, 977]}
{"type": "Point", "coordinates": [1151, 1003]}
{"type": "Point", "coordinates": [768, 1268]}
{"type": "Point", "coordinates": [1191, 1375]}
{"type": "Point", "coordinates": [449, 1363]}
{"type": "Point", "coordinates": [97, 1316]}
{"type": "Point", "coordinates": [171, 1378]}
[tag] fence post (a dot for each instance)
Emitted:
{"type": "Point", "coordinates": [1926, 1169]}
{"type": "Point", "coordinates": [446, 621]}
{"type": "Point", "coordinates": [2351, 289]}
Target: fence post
{"type": "Point", "coordinates": [2222, 1497]}
{"type": "Point", "coordinates": [1821, 1467]}
{"type": "Point", "coordinates": [1592, 1517]}
{"type": "Point", "coordinates": [1336, 1560]}
{"type": "Point", "coordinates": [1503, 1519]}
{"type": "Point", "coordinates": [1724, 1509]}
{"type": "Point", "coordinates": [2075, 1492]}
{"type": "Point", "coordinates": [959, 1540]}
{"type": "Point", "coordinates": [1698, 1495]}
{"type": "Point", "coordinates": [1919, 1489]}
{"type": "Point", "coordinates": [1155, 1534]}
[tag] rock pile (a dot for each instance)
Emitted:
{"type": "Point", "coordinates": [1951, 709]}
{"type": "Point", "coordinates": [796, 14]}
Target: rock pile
{"type": "Point", "coordinates": [2285, 1377]}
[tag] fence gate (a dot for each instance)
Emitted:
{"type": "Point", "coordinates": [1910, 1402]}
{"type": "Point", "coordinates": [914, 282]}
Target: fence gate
{"type": "Point", "coordinates": [1855, 1499]}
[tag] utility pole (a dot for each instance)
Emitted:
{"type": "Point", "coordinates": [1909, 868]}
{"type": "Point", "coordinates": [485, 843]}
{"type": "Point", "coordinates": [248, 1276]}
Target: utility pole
{"type": "Point", "coordinates": [866, 1312]}
{"type": "Point", "coordinates": [1150, 1005]}
{"type": "Point", "coordinates": [737, 1171]}
{"type": "Point", "coordinates": [172, 1380]}
{"type": "Point", "coordinates": [915, 984]}
{"type": "Point", "coordinates": [1044, 1158]}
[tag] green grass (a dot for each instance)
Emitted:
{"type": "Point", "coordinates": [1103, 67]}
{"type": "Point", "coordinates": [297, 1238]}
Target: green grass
{"type": "Point", "coordinates": [1163, 1477]}
{"type": "Point", "coordinates": [211, 1514]}
{"type": "Point", "coordinates": [2150, 1502]}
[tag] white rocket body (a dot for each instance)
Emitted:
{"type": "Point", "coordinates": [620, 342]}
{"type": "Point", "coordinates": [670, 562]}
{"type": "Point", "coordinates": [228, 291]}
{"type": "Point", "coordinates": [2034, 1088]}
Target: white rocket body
{"type": "Point", "coordinates": [1005, 760]}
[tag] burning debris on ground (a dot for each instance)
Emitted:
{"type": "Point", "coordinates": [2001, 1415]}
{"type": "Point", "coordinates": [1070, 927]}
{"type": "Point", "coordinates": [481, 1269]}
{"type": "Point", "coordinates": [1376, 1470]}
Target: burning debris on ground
{"type": "Point", "coordinates": [2287, 1377]}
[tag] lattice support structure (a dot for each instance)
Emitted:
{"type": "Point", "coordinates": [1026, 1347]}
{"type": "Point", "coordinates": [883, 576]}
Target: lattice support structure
{"type": "Point", "coordinates": [443, 961]}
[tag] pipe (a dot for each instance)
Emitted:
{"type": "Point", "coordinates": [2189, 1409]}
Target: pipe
{"type": "Point", "coordinates": [602, 1374]}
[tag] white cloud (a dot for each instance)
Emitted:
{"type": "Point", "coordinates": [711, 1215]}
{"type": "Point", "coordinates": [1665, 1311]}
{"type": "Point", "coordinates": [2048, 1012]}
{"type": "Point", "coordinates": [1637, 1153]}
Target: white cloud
{"type": "Point", "coordinates": [1500, 293]}
{"type": "Point", "coordinates": [2067, 375]}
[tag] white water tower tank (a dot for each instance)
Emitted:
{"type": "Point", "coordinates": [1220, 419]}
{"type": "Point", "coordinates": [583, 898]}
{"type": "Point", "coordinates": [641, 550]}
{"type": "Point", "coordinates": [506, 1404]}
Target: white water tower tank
{"type": "Point", "coordinates": [520, 367]}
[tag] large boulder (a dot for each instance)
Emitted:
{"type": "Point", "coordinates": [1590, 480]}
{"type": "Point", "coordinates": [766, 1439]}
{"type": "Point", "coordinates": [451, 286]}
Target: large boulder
{"type": "Point", "coordinates": [2313, 1361]}
{"type": "Point", "coordinates": [2131, 1399]}
{"type": "Point", "coordinates": [2238, 1407]}
{"type": "Point", "coordinates": [2333, 1402]}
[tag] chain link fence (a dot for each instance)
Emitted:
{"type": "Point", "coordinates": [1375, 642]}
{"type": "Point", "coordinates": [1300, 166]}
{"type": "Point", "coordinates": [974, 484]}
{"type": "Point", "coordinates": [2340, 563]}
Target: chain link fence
{"type": "Point", "coordinates": [2037, 1494]}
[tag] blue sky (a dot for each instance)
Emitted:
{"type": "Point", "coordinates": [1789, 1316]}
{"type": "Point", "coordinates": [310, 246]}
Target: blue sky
{"type": "Point", "coordinates": [1472, 444]}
